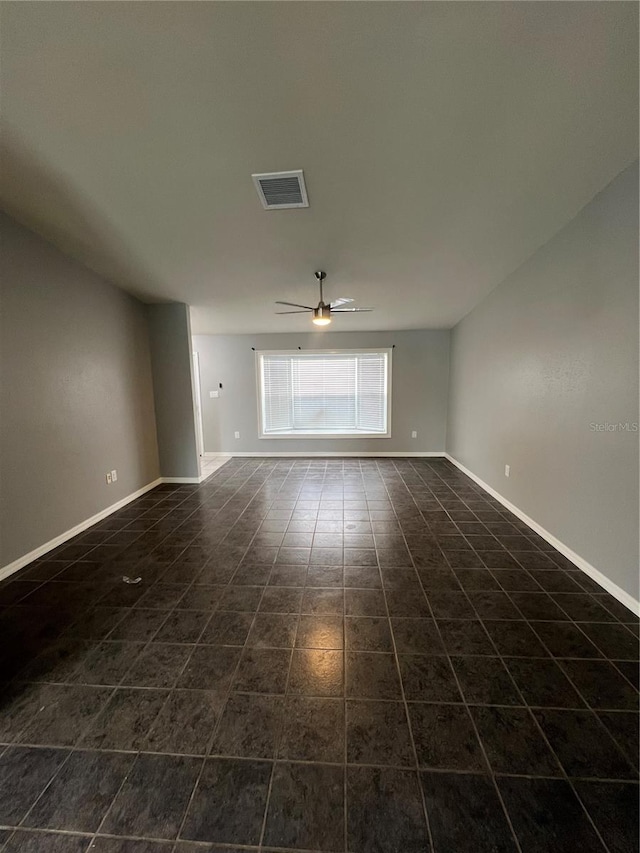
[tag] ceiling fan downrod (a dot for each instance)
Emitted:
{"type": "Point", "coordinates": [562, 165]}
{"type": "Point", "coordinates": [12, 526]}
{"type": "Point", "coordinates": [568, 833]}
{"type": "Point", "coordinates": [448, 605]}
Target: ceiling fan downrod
{"type": "Point", "coordinates": [321, 275]}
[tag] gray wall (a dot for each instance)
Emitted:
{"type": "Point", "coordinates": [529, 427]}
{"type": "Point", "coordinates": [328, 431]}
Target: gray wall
{"type": "Point", "coordinates": [76, 394]}
{"type": "Point", "coordinates": [551, 351]}
{"type": "Point", "coordinates": [170, 336]}
{"type": "Point", "coordinates": [419, 389]}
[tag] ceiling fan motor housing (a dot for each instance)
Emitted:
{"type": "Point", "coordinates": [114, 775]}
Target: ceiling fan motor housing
{"type": "Point", "coordinates": [322, 312]}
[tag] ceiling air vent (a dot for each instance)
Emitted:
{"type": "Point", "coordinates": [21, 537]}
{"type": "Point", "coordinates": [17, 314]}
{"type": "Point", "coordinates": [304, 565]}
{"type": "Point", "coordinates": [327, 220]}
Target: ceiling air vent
{"type": "Point", "coordinates": [279, 190]}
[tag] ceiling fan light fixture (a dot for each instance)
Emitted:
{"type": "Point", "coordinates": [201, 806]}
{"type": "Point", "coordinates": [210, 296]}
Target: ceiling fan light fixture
{"type": "Point", "coordinates": [322, 315]}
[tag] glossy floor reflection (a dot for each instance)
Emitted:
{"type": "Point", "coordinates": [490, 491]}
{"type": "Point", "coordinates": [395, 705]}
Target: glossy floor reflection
{"type": "Point", "coordinates": [337, 655]}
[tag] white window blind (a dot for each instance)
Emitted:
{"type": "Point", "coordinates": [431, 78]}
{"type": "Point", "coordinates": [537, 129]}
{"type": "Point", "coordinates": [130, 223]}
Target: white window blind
{"type": "Point", "coordinates": [371, 380]}
{"type": "Point", "coordinates": [277, 397]}
{"type": "Point", "coordinates": [324, 393]}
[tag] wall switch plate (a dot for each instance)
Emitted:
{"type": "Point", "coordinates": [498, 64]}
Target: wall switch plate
{"type": "Point", "coordinates": [114, 476]}
{"type": "Point", "coordinates": [109, 478]}
{"type": "Point", "coordinates": [214, 394]}
{"type": "Point", "coordinates": [507, 470]}
{"type": "Point", "coordinates": [414, 434]}
{"type": "Point", "coordinates": [237, 434]}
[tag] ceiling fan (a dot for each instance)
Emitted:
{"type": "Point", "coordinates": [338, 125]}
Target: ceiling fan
{"type": "Point", "coordinates": [322, 314]}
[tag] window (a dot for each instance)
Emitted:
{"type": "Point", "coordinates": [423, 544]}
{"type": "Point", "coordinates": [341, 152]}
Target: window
{"type": "Point", "coordinates": [324, 394]}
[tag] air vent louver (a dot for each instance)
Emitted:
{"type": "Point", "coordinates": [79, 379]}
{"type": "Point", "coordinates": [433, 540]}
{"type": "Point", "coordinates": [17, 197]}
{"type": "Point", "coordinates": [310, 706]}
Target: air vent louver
{"type": "Point", "coordinates": [280, 190]}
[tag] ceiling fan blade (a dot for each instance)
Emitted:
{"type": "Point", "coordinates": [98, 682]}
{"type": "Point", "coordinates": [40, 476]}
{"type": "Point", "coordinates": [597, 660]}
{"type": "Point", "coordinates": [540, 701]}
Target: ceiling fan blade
{"type": "Point", "coordinates": [342, 301]}
{"type": "Point", "coordinates": [349, 310]}
{"type": "Point", "coordinates": [290, 312]}
{"type": "Point", "coordinates": [294, 305]}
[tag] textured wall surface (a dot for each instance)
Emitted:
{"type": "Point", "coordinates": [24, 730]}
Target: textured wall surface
{"type": "Point", "coordinates": [419, 389]}
{"type": "Point", "coordinates": [540, 368]}
{"type": "Point", "coordinates": [172, 365]}
{"type": "Point", "coordinates": [76, 395]}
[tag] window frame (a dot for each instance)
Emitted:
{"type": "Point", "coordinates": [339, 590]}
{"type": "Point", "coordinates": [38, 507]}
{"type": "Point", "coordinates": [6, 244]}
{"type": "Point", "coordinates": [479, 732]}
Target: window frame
{"type": "Point", "coordinates": [295, 436]}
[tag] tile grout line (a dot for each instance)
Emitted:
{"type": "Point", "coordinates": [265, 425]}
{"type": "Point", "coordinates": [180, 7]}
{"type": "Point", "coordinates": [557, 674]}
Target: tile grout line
{"type": "Point", "coordinates": [533, 717]}
{"type": "Point", "coordinates": [406, 712]}
{"type": "Point", "coordinates": [202, 766]}
{"type": "Point", "coordinates": [345, 733]}
{"type": "Point", "coordinates": [557, 661]}
{"type": "Point", "coordinates": [72, 751]}
{"type": "Point", "coordinates": [470, 717]}
{"type": "Point", "coordinates": [565, 775]}
{"type": "Point", "coordinates": [222, 710]}
{"type": "Point", "coordinates": [279, 737]}
{"type": "Point", "coordinates": [536, 723]}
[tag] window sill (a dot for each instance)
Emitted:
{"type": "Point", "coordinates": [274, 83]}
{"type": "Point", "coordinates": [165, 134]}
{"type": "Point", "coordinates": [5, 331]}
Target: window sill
{"type": "Point", "coordinates": [300, 434]}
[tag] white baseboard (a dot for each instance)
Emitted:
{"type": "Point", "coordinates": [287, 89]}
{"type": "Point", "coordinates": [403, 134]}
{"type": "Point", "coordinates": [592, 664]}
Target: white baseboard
{"type": "Point", "coordinates": [350, 453]}
{"type": "Point", "coordinates": [596, 575]}
{"type": "Point", "coordinates": [10, 568]}
{"type": "Point", "coordinates": [611, 587]}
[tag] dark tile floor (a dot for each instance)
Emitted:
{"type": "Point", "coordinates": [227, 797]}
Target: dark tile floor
{"type": "Point", "coordinates": [337, 655]}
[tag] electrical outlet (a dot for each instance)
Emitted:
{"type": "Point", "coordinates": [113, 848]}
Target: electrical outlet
{"type": "Point", "coordinates": [414, 434]}
{"type": "Point", "coordinates": [114, 476]}
{"type": "Point", "coordinates": [237, 434]}
{"type": "Point", "coordinates": [109, 478]}
{"type": "Point", "coordinates": [507, 470]}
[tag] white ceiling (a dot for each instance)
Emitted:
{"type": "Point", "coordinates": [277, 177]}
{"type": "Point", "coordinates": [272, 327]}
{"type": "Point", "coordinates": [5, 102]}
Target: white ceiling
{"type": "Point", "coordinates": [442, 144]}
